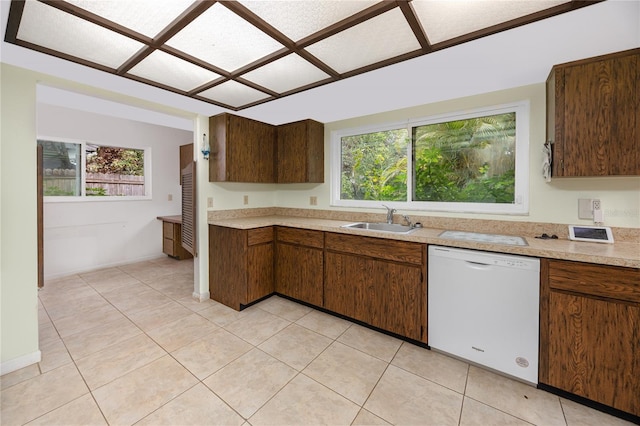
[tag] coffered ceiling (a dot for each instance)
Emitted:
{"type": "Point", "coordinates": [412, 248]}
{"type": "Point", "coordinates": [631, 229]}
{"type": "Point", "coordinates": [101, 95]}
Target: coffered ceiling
{"type": "Point", "coordinates": [241, 53]}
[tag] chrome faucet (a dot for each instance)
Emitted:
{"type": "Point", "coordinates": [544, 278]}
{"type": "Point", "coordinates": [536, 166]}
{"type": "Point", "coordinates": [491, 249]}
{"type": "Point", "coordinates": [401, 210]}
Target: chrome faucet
{"type": "Point", "coordinates": [408, 219]}
{"type": "Point", "coordinates": [390, 213]}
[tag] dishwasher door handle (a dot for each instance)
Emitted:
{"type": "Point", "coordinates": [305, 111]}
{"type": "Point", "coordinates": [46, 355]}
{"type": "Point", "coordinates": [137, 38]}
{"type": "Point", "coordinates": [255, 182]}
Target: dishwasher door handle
{"type": "Point", "coordinates": [477, 265]}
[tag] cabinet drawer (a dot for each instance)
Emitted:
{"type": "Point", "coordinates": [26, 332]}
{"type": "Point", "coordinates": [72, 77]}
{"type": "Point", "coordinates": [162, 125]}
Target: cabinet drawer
{"type": "Point", "coordinates": [260, 235]}
{"type": "Point", "coordinates": [597, 280]}
{"type": "Point", "coordinates": [167, 230]}
{"type": "Point", "coordinates": [168, 247]}
{"type": "Point", "coordinates": [380, 248]}
{"type": "Point", "coordinates": [303, 237]}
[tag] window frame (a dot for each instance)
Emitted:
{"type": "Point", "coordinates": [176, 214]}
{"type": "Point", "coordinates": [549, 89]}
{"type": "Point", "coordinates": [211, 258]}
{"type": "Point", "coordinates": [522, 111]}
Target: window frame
{"type": "Point", "coordinates": [83, 198]}
{"type": "Point", "coordinates": [521, 190]}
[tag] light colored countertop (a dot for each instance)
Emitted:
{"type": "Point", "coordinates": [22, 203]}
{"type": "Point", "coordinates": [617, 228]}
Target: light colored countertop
{"type": "Point", "coordinates": [618, 254]}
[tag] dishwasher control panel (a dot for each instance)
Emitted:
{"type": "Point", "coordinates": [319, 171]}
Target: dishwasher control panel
{"type": "Point", "coordinates": [487, 258]}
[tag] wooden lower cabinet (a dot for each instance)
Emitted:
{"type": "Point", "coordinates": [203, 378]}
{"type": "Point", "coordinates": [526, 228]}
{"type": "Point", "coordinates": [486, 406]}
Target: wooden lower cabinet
{"type": "Point", "coordinates": [172, 240]}
{"type": "Point", "coordinates": [381, 282]}
{"type": "Point", "coordinates": [240, 265]}
{"type": "Point", "coordinates": [377, 281]}
{"type": "Point", "coordinates": [299, 264]}
{"type": "Point", "coordinates": [590, 332]}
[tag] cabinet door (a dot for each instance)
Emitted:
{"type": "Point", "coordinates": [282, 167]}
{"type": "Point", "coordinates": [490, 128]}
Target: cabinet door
{"type": "Point", "coordinates": [228, 266]}
{"type": "Point", "coordinates": [300, 152]}
{"type": "Point", "coordinates": [299, 273]}
{"type": "Point", "coordinates": [387, 295]}
{"type": "Point", "coordinates": [250, 150]}
{"type": "Point", "coordinates": [242, 150]}
{"type": "Point", "coordinates": [593, 349]}
{"type": "Point", "coordinates": [397, 299]}
{"type": "Point", "coordinates": [346, 284]}
{"type": "Point", "coordinates": [596, 122]}
{"type": "Point", "coordinates": [260, 273]}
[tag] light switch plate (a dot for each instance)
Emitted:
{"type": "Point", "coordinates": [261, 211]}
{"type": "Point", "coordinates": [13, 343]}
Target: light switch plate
{"type": "Point", "coordinates": [585, 208]}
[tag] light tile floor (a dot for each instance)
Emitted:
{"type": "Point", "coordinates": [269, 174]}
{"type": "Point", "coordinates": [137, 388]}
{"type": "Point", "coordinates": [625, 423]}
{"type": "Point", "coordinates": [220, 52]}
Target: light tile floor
{"type": "Point", "coordinates": [129, 345]}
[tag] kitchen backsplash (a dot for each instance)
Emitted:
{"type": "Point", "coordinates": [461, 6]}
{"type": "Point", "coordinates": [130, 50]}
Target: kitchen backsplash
{"type": "Point", "coordinates": [527, 229]}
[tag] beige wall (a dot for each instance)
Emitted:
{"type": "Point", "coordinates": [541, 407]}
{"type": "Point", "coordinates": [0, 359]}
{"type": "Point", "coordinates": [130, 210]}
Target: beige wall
{"type": "Point", "coordinates": [555, 202]}
{"type": "Point", "coordinates": [18, 220]}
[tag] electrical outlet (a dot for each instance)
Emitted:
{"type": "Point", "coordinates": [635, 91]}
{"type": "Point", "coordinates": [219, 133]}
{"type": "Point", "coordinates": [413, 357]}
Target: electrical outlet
{"type": "Point", "coordinates": [246, 200]}
{"type": "Point", "coordinates": [209, 202]}
{"type": "Point", "coordinates": [598, 214]}
{"type": "Point", "coordinates": [313, 201]}
{"type": "Point", "coordinates": [170, 197]}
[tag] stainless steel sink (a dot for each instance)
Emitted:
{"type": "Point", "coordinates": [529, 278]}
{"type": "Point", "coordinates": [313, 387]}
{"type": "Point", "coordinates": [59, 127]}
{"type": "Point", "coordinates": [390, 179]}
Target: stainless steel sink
{"type": "Point", "coordinates": [382, 227]}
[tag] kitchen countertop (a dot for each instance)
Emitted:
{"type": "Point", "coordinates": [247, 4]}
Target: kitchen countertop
{"type": "Point", "coordinates": [618, 254]}
{"type": "Point", "coordinates": [172, 219]}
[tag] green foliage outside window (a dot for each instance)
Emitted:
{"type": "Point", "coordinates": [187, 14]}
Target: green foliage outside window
{"type": "Point", "coordinates": [374, 166]}
{"type": "Point", "coordinates": [471, 160]}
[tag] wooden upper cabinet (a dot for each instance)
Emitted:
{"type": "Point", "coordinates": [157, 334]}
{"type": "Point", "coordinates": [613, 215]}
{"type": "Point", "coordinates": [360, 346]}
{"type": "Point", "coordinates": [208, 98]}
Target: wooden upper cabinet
{"type": "Point", "coordinates": [300, 152]}
{"type": "Point", "coordinates": [242, 150]}
{"type": "Point", "coordinates": [245, 150]}
{"type": "Point", "coordinates": [593, 116]}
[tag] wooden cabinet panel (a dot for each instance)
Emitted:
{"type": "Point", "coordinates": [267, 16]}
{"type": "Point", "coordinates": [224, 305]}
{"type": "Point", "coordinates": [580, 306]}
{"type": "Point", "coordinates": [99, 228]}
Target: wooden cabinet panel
{"type": "Point", "coordinates": [303, 237]}
{"type": "Point", "coordinates": [299, 264]}
{"type": "Point", "coordinates": [299, 272]}
{"type": "Point", "coordinates": [398, 251]}
{"type": "Point", "coordinates": [300, 152]}
{"type": "Point", "coordinates": [593, 345]}
{"type": "Point", "coordinates": [397, 299]}
{"type": "Point", "coordinates": [260, 271]}
{"type": "Point", "coordinates": [362, 283]}
{"type": "Point", "coordinates": [171, 240]}
{"type": "Point", "coordinates": [239, 274]}
{"type": "Point", "coordinates": [593, 116]}
{"type": "Point", "coordinates": [590, 332]}
{"type": "Point", "coordinates": [260, 235]}
{"type": "Point", "coordinates": [242, 150]}
{"type": "Point", "coordinates": [596, 280]}
{"type": "Point", "coordinates": [227, 266]}
{"type": "Point", "coordinates": [346, 283]}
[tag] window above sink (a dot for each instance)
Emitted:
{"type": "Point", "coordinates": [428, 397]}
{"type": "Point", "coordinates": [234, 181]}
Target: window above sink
{"type": "Point", "coordinates": [472, 161]}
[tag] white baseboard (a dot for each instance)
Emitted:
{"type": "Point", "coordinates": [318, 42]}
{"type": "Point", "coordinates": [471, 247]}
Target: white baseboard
{"type": "Point", "coordinates": [20, 362]}
{"type": "Point", "coordinates": [102, 266]}
{"type": "Point", "coordinates": [201, 297]}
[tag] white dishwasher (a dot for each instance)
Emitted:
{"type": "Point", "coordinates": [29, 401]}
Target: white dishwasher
{"type": "Point", "coordinates": [484, 307]}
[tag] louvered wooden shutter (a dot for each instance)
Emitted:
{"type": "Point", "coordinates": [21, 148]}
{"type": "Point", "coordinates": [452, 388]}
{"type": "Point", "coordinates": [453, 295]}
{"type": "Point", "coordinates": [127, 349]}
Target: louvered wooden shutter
{"type": "Point", "coordinates": [188, 180]}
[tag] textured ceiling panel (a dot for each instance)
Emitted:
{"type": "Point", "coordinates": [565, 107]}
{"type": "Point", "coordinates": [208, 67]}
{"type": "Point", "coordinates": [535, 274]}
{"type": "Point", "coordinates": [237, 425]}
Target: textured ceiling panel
{"type": "Point", "coordinates": [240, 53]}
{"type": "Point", "coordinates": [233, 93]}
{"type": "Point", "coordinates": [383, 37]}
{"type": "Point", "coordinates": [446, 19]}
{"type": "Point", "coordinates": [147, 17]}
{"type": "Point", "coordinates": [173, 72]}
{"type": "Point", "coordinates": [223, 39]}
{"type": "Point", "coordinates": [53, 29]}
{"type": "Point", "coordinates": [299, 19]}
{"type": "Point", "coordinates": [286, 74]}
